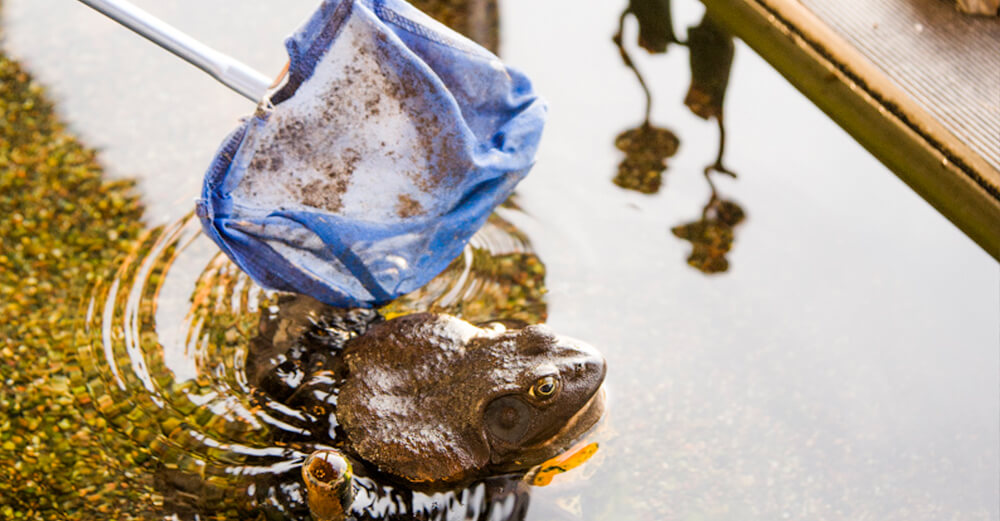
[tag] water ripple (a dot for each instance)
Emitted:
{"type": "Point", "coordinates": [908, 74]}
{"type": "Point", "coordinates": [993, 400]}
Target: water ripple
{"type": "Point", "coordinates": [165, 362]}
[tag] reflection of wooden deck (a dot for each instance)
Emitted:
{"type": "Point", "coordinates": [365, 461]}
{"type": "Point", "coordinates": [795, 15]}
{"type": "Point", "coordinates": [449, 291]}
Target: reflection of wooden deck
{"type": "Point", "coordinates": [914, 81]}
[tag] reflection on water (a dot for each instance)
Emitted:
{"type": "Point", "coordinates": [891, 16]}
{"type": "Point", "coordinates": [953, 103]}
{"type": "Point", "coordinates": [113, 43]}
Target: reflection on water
{"type": "Point", "coordinates": [656, 31]}
{"type": "Point", "coordinates": [656, 25]}
{"type": "Point", "coordinates": [498, 276]}
{"type": "Point", "coordinates": [647, 147]}
{"type": "Point", "coordinates": [216, 380]}
{"type": "Point", "coordinates": [711, 236]}
{"type": "Point", "coordinates": [821, 379]}
{"type": "Point", "coordinates": [710, 53]}
{"type": "Point", "coordinates": [477, 19]}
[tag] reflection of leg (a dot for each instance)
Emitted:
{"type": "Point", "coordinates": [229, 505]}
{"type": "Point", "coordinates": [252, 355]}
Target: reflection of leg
{"type": "Point", "coordinates": [617, 38]}
{"type": "Point", "coordinates": [712, 236]}
{"type": "Point", "coordinates": [712, 201]}
{"type": "Point", "coordinates": [717, 166]}
{"type": "Point", "coordinates": [711, 51]}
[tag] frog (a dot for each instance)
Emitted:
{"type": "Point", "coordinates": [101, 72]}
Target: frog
{"type": "Point", "coordinates": [413, 406]}
{"type": "Point", "coordinates": [431, 398]}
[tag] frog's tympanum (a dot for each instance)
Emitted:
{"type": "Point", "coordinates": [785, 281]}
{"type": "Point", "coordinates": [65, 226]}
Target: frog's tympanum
{"type": "Point", "coordinates": [432, 398]}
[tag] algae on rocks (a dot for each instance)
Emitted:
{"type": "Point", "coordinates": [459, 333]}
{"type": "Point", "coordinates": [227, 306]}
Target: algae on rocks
{"type": "Point", "coordinates": [61, 227]}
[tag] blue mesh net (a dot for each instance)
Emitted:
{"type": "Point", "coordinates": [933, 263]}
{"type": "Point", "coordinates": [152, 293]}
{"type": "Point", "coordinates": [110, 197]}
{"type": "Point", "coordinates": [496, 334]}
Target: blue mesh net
{"type": "Point", "coordinates": [363, 176]}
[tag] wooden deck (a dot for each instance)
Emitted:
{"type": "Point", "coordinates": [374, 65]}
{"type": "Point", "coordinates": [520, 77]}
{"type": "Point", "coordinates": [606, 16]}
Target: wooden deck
{"type": "Point", "coordinates": [914, 81]}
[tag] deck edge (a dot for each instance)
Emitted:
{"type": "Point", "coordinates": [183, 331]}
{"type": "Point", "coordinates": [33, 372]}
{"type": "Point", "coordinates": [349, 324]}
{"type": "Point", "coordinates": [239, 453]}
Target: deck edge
{"type": "Point", "coordinates": [861, 99]}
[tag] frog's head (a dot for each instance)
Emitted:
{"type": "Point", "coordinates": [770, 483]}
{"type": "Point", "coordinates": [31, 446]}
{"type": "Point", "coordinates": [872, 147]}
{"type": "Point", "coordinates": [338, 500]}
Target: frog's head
{"type": "Point", "coordinates": [432, 398]}
{"type": "Point", "coordinates": [546, 399]}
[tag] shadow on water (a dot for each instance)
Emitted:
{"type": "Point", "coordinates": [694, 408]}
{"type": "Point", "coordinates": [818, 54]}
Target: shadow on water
{"type": "Point", "coordinates": [647, 147]}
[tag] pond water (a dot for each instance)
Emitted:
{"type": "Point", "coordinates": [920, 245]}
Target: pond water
{"type": "Point", "coordinates": [846, 365]}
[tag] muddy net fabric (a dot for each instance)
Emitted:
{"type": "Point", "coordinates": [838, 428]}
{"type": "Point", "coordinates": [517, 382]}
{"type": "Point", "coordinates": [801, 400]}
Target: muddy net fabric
{"type": "Point", "coordinates": [364, 175]}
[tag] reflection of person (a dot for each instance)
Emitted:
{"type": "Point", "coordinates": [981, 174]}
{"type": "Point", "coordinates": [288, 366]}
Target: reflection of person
{"type": "Point", "coordinates": [647, 147]}
{"type": "Point", "coordinates": [711, 51]}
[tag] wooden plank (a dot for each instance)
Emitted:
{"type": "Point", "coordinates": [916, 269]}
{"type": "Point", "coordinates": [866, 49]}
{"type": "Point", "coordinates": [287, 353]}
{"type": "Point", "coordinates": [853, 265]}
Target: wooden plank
{"type": "Point", "coordinates": [945, 62]}
{"type": "Point", "coordinates": [876, 111]}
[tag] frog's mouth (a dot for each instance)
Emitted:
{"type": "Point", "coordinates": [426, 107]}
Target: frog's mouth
{"type": "Point", "coordinates": [579, 423]}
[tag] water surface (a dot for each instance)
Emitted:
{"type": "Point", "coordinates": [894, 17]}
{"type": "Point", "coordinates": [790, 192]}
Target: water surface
{"type": "Point", "coordinates": [845, 366]}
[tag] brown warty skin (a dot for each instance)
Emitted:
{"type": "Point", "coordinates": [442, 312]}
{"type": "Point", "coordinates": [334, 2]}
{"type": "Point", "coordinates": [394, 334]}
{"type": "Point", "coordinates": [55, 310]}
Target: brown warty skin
{"type": "Point", "coordinates": [432, 398]}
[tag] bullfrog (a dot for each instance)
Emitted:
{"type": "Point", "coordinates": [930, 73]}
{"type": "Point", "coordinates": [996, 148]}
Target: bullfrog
{"type": "Point", "coordinates": [424, 402]}
{"type": "Point", "coordinates": [433, 398]}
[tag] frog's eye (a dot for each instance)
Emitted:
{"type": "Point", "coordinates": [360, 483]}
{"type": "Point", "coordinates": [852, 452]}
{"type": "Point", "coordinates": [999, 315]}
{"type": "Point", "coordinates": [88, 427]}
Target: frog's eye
{"type": "Point", "coordinates": [545, 387]}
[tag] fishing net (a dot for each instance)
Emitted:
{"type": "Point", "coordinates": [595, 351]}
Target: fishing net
{"type": "Point", "coordinates": [365, 173]}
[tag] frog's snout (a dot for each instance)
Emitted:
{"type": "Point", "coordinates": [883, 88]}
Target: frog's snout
{"type": "Point", "coordinates": [587, 361]}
